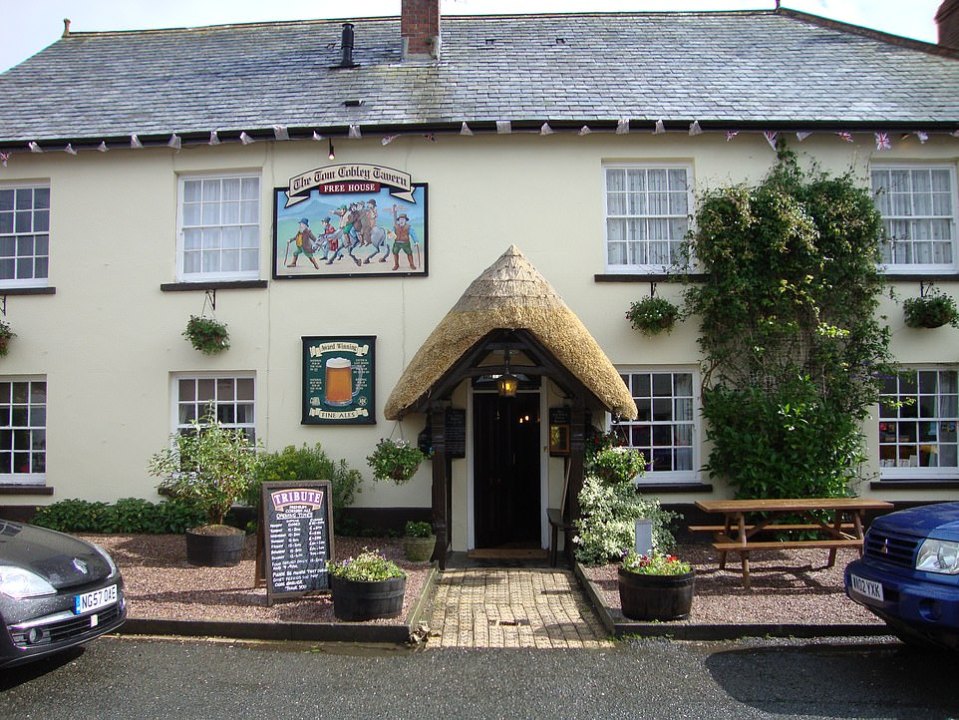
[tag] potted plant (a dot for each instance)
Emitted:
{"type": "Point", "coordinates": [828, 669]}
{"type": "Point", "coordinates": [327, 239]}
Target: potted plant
{"type": "Point", "coordinates": [394, 460]}
{"type": "Point", "coordinates": [656, 586]}
{"type": "Point", "coordinates": [931, 310]}
{"type": "Point", "coordinates": [418, 541]}
{"type": "Point", "coordinates": [653, 315]}
{"type": "Point", "coordinates": [6, 334]}
{"type": "Point", "coordinates": [207, 334]}
{"type": "Point", "coordinates": [367, 587]}
{"type": "Point", "coordinates": [211, 466]}
{"type": "Point", "coordinates": [618, 464]}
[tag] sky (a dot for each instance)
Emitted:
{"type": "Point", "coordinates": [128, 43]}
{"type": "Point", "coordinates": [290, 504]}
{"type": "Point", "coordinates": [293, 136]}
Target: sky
{"type": "Point", "coordinates": [28, 27]}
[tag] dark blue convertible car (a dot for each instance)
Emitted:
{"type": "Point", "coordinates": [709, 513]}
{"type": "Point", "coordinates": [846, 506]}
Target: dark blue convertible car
{"type": "Point", "coordinates": [909, 574]}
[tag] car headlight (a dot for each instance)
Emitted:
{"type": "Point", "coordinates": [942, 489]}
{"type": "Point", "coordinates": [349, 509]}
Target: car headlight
{"type": "Point", "coordinates": [18, 583]}
{"type": "Point", "coordinates": [938, 556]}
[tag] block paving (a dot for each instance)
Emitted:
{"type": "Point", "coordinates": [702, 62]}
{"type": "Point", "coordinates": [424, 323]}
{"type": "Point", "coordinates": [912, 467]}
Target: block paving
{"type": "Point", "coordinates": [513, 608]}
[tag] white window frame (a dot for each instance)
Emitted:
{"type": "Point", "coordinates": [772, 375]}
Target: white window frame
{"type": "Point", "coordinates": [25, 478]}
{"type": "Point", "coordinates": [686, 217]}
{"type": "Point", "coordinates": [183, 227]}
{"type": "Point", "coordinates": [624, 427]}
{"type": "Point", "coordinates": [886, 439]}
{"type": "Point", "coordinates": [17, 257]}
{"type": "Point", "coordinates": [953, 218]}
{"type": "Point", "coordinates": [181, 423]}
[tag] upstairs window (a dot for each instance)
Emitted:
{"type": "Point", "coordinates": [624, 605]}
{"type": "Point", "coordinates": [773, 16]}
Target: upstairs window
{"type": "Point", "coordinates": [647, 217]}
{"type": "Point", "coordinates": [24, 236]}
{"type": "Point", "coordinates": [219, 236]}
{"type": "Point", "coordinates": [918, 207]}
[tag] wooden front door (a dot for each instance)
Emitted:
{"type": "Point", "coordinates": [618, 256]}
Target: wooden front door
{"type": "Point", "coordinates": [506, 436]}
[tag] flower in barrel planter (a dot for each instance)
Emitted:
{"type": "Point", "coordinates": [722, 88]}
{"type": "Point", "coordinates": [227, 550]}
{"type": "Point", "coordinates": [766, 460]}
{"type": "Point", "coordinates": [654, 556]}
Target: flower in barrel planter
{"type": "Point", "coordinates": [418, 541]}
{"type": "Point", "coordinates": [207, 334]}
{"type": "Point", "coordinates": [657, 586]}
{"type": "Point", "coordinates": [367, 587]}
{"type": "Point", "coordinates": [653, 315]}
{"type": "Point", "coordinates": [6, 335]}
{"type": "Point", "coordinates": [931, 310]}
{"type": "Point", "coordinates": [394, 460]}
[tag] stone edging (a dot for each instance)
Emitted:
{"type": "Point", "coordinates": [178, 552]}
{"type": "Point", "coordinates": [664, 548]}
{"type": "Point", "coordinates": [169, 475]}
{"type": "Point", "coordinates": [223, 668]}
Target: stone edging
{"type": "Point", "coordinates": [685, 631]}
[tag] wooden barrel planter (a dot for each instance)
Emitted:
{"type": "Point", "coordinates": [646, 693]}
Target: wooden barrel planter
{"type": "Point", "coordinates": [656, 597]}
{"type": "Point", "coordinates": [214, 550]}
{"type": "Point", "coordinates": [355, 600]}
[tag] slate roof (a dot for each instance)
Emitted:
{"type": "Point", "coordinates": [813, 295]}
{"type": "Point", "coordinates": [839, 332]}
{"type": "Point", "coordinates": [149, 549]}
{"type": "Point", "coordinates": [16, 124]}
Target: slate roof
{"type": "Point", "coordinates": [725, 69]}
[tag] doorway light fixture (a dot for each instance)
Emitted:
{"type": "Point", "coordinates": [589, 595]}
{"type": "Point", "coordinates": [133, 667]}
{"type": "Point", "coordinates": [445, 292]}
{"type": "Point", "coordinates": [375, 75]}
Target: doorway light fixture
{"type": "Point", "coordinates": [507, 384]}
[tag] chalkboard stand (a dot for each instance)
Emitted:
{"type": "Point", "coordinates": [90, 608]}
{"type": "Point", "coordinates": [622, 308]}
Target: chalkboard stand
{"type": "Point", "coordinates": [296, 543]}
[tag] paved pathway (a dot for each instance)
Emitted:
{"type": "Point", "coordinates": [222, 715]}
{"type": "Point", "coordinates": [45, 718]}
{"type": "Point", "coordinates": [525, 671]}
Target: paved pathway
{"type": "Point", "coordinates": [514, 608]}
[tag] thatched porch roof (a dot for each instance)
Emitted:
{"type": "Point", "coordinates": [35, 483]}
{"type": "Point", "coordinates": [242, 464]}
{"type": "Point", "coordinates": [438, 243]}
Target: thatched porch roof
{"type": "Point", "coordinates": [511, 294]}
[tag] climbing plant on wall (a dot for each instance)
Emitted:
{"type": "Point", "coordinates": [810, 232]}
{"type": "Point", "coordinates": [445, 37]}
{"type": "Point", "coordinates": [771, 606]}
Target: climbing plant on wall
{"type": "Point", "coordinates": [793, 350]}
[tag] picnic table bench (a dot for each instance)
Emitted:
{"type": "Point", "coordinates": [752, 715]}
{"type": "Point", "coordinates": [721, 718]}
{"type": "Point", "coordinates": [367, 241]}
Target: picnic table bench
{"type": "Point", "coordinates": [844, 529]}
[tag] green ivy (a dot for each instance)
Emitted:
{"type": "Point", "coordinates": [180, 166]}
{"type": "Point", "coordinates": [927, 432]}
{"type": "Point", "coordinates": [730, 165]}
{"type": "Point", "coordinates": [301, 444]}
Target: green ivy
{"type": "Point", "coordinates": [793, 353]}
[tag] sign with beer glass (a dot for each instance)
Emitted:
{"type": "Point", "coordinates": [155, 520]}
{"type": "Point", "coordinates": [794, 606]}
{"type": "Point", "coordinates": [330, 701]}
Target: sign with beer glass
{"type": "Point", "coordinates": [338, 380]}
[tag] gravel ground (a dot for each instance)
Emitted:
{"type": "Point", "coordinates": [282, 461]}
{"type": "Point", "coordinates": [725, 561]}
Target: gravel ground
{"type": "Point", "coordinates": [161, 585]}
{"type": "Point", "coordinates": [788, 587]}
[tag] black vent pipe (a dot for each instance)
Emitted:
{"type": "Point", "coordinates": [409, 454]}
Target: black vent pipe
{"type": "Point", "coordinates": [347, 44]}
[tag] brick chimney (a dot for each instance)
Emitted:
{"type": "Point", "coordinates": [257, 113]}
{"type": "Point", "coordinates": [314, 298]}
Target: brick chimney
{"type": "Point", "coordinates": [947, 19]}
{"type": "Point", "coordinates": [420, 28]}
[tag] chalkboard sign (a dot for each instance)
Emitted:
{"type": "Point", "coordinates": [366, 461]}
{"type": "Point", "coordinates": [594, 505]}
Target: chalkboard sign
{"type": "Point", "coordinates": [297, 524]}
{"type": "Point", "coordinates": [456, 432]}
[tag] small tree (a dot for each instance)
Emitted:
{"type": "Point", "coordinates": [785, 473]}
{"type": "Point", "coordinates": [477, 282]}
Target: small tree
{"type": "Point", "coordinates": [211, 465]}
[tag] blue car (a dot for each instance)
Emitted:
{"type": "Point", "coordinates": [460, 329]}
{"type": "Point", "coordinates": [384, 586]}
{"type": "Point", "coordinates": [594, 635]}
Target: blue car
{"type": "Point", "coordinates": [909, 574]}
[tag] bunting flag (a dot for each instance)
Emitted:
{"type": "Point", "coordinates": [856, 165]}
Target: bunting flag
{"type": "Point", "coordinates": [387, 139]}
{"type": "Point", "coordinates": [281, 133]}
{"type": "Point", "coordinates": [355, 133]}
{"type": "Point", "coordinates": [246, 139]}
{"type": "Point", "coordinates": [771, 137]}
{"type": "Point", "coordinates": [317, 136]}
{"type": "Point", "coordinates": [69, 149]}
{"type": "Point", "coordinates": [845, 136]}
{"type": "Point", "coordinates": [584, 130]}
{"type": "Point", "coordinates": [545, 129]}
{"type": "Point", "coordinates": [622, 127]}
{"type": "Point", "coordinates": [882, 141]}
{"type": "Point", "coordinates": [955, 133]}
{"type": "Point", "coordinates": [3, 158]}
{"type": "Point", "coordinates": [730, 134]}
{"type": "Point", "coordinates": [660, 128]}
{"type": "Point", "coordinates": [214, 138]}
{"type": "Point", "coordinates": [694, 128]}
{"type": "Point", "coordinates": [504, 127]}
{"type": "Point", "coordinates": [465, 129]}
{"type": "Point", "coordinates": [175, 142]}
{"type": "Point", "coordinates": [803, 135]}
{"type": "Point", "coordinates": [923, 136]}
{"type": "Point", "coordinates": [102, 147]}
{"type": "Point", "coordinates": [135, 142]}
{"type": "Point", "coordinates": [34, 148]}
{"type": "Point", "coordinates": [429, 137]}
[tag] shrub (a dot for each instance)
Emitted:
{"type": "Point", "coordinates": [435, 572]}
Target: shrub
{"type": "Point", "coordinates": [418, 529]}
{"type": "Point", "coordinates": [368, 566]}
{"type": "Point", "coordinates": [306, 463]}
{"type": "Point", "coordinates": [126, 516]}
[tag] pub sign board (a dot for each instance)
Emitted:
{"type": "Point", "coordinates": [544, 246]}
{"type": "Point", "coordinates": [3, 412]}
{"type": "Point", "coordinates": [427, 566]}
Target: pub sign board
{"type": "Point", "coordinates": [339, 380]}
{"type": "Point", "coordinates": [350, 220]}
{"type": "Point", "coordinates": [297, 522]}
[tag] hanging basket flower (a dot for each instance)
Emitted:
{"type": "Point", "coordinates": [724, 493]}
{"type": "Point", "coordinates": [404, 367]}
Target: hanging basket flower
{"type": "Point", "coordinates": [653, 315]}
{"type": "Point", "coordinates": [932, 310]}
{"type": "Point", "coordinates": [394, 460]}
{"type": "Point", "coordinates": [6, 335]}
{"type": "Point", "coordinates": [207, 335]}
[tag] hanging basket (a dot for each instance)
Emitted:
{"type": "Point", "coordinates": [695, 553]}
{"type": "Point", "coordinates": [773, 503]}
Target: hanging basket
{"type": "Point", "coordinates": [653, 315]}
{"type": "Point", "coordinates": [931, 311]}
{"type": "Point", "coordinates": [207, 334]}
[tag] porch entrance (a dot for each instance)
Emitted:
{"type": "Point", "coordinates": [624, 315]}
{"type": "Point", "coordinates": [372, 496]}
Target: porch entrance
{"type": "Point", "coordinates": [506, 471]}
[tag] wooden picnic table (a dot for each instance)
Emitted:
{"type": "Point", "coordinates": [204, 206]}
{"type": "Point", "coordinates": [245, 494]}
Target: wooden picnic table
{"type": "Point", "coordinates": [844, 527]}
